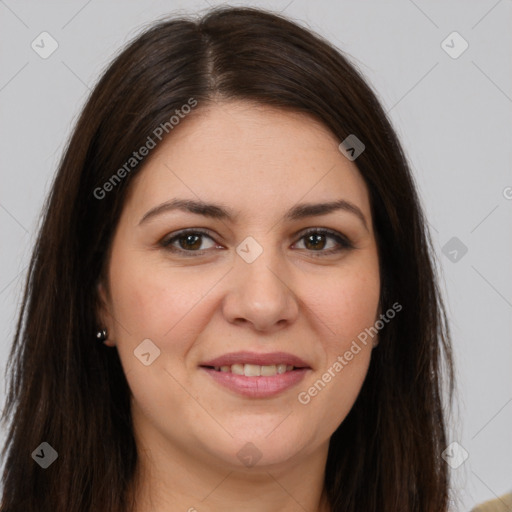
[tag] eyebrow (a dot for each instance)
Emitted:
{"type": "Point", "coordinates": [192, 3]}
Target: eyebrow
{"type": "Point", "coordinates": [221, 212]}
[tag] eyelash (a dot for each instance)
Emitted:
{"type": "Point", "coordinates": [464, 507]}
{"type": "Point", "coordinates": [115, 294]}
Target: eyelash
{"type": "Point", "coordinates": [342, 240]}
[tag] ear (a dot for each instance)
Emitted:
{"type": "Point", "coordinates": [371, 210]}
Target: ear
{"type": "Point", "coordinates": [105, 320]}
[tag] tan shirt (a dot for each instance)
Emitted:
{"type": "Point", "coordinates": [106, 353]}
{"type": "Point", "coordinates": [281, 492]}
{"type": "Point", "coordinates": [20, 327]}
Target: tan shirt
{"type": "Point", "coordinates": [503, 504]}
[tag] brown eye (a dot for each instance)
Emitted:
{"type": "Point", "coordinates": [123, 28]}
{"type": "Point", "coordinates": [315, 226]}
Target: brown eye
{"type": "Point", "coordinates": [187, 241]}
{"type": "Point", "coordinates": [316, 240]}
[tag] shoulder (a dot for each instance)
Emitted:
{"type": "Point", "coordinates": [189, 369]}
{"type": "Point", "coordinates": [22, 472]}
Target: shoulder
{"type": "Point", "coordinates": [502, 504]}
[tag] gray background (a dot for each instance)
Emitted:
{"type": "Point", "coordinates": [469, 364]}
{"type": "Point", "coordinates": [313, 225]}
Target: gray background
{"type": "Point", "coordinates": [453, 117]}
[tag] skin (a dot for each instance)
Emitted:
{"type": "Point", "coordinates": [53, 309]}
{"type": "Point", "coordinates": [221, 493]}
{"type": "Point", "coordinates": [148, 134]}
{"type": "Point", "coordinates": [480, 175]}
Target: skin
{"type": "Point", "coordinates": [294, 297]}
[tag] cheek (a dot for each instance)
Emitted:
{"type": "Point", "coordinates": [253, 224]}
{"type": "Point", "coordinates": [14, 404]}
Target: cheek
{"type": "Point", "coordinates": [333, 394]}
{"type": "Point", "coordinates": [346, 302]}
{"type": "Point", "coordinates": [347, 305]}
{"type": "Point", "coordinates": [151, 301]}
{"type": "Point", "coordinates": [167, 305]}
{"type": "Point", "coordinates": [157, 303]}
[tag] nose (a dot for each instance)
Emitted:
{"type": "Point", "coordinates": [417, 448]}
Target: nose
{"type": "Point", "coordinates": [261, 293]}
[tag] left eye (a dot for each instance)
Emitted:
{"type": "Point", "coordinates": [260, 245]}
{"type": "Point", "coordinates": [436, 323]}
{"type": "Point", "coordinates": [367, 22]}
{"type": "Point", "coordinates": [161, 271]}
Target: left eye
{"type": "Point", "coordinates": [314, 240]}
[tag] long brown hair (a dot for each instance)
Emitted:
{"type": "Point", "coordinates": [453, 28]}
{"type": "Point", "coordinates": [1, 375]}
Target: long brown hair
{"type": "Point", "coordinates": [70, 391]}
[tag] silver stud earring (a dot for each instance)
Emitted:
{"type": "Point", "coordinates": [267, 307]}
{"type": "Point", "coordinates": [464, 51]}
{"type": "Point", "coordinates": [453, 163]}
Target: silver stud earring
{"type": "Point", "coordinates": [102, 335]}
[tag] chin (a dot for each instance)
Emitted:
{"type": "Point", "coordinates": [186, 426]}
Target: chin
{"type": "Point", "coordinates": [263, 446]}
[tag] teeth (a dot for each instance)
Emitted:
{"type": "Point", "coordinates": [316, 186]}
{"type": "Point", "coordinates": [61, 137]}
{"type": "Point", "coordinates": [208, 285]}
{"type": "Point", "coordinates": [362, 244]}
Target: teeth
{"type": "Point", "coordinates": [268, 371]}
{"type": "Point", "coordinates": [255, 370]}
{"type": "Point", "coordinates": [252, 370]}
{"type": "Point", "coordinates": [238, 369]}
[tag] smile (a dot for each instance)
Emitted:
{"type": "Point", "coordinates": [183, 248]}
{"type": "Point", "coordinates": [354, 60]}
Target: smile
{"type": "Point", "coordinates": [255, 370]}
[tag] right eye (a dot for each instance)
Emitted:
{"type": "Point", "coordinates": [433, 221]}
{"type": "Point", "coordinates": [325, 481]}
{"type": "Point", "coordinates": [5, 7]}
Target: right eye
{"type": "Point", "coordinates": [189, 241]}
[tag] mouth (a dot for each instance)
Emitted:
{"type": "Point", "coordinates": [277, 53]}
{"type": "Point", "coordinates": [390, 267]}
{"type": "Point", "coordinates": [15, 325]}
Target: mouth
{"type": "Point", "coordinates": [256, 375]}
{"type": "Point", "coordinates": [239, 362]}
{"type": "Point", "coordinates": [254, 370]}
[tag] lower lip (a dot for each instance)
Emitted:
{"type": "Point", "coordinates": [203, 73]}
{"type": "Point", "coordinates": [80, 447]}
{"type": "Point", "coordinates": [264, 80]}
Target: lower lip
{"type": "Point", "coordinates": [257, 387]}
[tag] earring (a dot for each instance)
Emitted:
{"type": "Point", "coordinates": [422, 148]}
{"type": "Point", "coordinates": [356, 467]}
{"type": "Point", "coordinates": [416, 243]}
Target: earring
{"type": "Point", "coordinates": [102, 335]}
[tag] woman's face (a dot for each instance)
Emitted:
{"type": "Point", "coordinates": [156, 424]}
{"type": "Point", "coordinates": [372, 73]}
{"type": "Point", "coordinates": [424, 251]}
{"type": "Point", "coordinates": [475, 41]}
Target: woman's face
{"type": "Point", "coordinates": [247, 289]}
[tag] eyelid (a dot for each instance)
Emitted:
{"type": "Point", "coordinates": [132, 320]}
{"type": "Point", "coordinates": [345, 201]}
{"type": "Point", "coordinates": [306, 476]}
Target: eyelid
{"type": "Point", "coordinates": [325, 231]}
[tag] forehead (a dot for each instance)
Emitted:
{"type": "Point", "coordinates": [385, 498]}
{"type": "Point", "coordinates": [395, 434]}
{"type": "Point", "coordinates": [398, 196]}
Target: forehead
{"type": "Point", "coordinates": [242, 131]}
{"type": "Point", "coordinates": [251, 156]}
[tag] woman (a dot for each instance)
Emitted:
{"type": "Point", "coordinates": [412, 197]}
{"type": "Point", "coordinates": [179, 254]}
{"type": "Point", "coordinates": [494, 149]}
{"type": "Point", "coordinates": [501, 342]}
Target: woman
{"type": "Point", "coordinates": [232, 301]}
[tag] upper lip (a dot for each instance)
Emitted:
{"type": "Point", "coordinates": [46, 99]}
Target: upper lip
{"type": "Point", "coordinates": [269, 359]}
